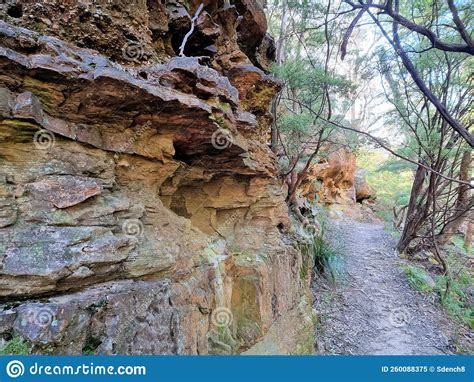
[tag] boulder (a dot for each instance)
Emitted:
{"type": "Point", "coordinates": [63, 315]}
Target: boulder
{"type": "Point", "coordinates": [362, 188]}
{"type": "Point", "coordinates": [332, 179]}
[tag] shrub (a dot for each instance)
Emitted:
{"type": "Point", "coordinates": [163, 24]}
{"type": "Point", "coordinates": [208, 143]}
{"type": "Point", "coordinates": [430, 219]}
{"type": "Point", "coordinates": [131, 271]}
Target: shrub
{"type": "Point", "coordinates": [419, 279]}
{"type": "Point", "coordinates": [15, 346]}
{"type": "Point", "coordinates": [326, 260]}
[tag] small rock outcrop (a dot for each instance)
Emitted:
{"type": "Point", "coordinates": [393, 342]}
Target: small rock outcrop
{"type": "Point", "coordinates": [363, 189]}
{"type": "Point", "coordinates": [140, 207]}
{"type": "Point", "coordinates": [332, 180]}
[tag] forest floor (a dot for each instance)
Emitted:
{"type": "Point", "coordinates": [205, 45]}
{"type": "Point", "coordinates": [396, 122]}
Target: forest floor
{"type": "Point", "coordinates": [371, 308]}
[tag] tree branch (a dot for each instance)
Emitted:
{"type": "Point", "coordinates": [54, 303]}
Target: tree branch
{"type": "Point", "coordinates": [389, 149]}
{"type": "Point", "coordinates": [435, 41]}
{"type": "Point", "coordinates": [468, 137]}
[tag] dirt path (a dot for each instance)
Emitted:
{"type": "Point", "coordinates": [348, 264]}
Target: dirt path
{"type": "Point", "coordinates": [373, 310]}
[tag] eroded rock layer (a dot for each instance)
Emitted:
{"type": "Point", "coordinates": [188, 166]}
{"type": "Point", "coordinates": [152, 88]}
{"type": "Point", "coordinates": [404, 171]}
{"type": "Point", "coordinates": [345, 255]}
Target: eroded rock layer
{"type": "Point", "coordinates": [332, 180]}
{"type": "Point", "coordinates": [140, 211]}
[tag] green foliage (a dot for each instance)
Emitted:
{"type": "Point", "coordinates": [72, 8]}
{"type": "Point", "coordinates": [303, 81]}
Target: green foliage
{"type": "Point", "coordinates": [16, 346]}
{"type": "Point", "coordinates": [395, 166]}
{"type": "Point", "coordinates": [314, 88]}
{"type": "Point", "coordinates": [458, 298]}
{"type": "Point", "coordinates": [306, 81]}
{"type": "Point", "coordinates": [391, 179]}
{"type": "Point", "coordinates": [295, 122]}
{"type": "Point", "coordinates": [458, 243]}
{"type": "Point", "coordinates": [456, 301]}
{"type": "Point", "coordinates": [309, 79]}
{"type": "Point", "coordinates": [418, 278]}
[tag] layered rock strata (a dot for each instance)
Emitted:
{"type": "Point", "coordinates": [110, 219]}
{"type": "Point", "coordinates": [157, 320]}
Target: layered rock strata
{"type": "Point", "coordinates": [140, 208]}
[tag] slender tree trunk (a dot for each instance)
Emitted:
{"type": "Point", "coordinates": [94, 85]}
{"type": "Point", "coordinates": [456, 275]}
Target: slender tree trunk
{"type": "Point", "coordinates": [468, 235]}
{"type": "Point", "coordinates": [279, 57]}
{"type": "Point", "coordinates": [281, 40]}
{"type": "Point", "coordinates": [414, 214]}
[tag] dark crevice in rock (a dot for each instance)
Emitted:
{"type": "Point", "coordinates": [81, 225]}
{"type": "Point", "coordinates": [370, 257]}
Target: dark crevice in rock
{"type": "Point", "coordinates": [15, 11]}
{"type": "Point", "coordinates": [91, 345]}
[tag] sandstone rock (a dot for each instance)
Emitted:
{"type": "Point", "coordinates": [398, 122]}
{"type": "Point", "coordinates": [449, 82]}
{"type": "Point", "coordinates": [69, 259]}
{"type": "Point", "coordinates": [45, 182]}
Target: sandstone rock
{"type": "Point", "coordinates": [8, 212]}
{"type": "Point", "coordinates": [253, 26]}
{"type": "Point", "coordinates": [362, 188]}
{"type": "Point", "coordinates": [98, 82]}
{"type": "Point", "coordinates": [95, 24]}
{"type": "Point", "coordinates": [52, 253]}
{"type": "Point", "coordinates": [265, 54]}
{"type": "Point", "coordinates": [147, 31]}
{"type": "Point", "coordinates": [27, 106]}
{"type": "Point", "coordinates": [132, 227]}
{"type": "Point", "coordinates": [332, 180]}
{"type": "Point", "coordinates": [102, 321]}
{"type": "Point", "coordinates": [256, 89]}
{"type": "Point", "coordinates": [64, 191]}
{"type": "Point", "coordinates": [7, 319]}
{"type": "Point", "coordinates": [6, 102]}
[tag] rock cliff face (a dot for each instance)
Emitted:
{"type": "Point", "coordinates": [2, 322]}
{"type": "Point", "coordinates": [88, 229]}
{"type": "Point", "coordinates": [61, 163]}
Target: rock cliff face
{"type": "Point", "coordinates": [140, 211]}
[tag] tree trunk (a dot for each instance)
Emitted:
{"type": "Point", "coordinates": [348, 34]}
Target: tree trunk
{"type": "Point", "coordinates": [281, 40]}
{"type": "Point", "coordinates": [468, 235]}
{"type": "Point", "coordinates": [279, 58]}
{"type": "Point", "coordinates": [414, 214]}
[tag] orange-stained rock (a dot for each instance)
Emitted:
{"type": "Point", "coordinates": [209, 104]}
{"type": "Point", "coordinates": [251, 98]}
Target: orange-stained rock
{"type": "Point", "coordinates": [139, 201]}
{"type": "Point", "coordinates": [332, 180]}
{"type": "Point", "coordinates": [362, 188]}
